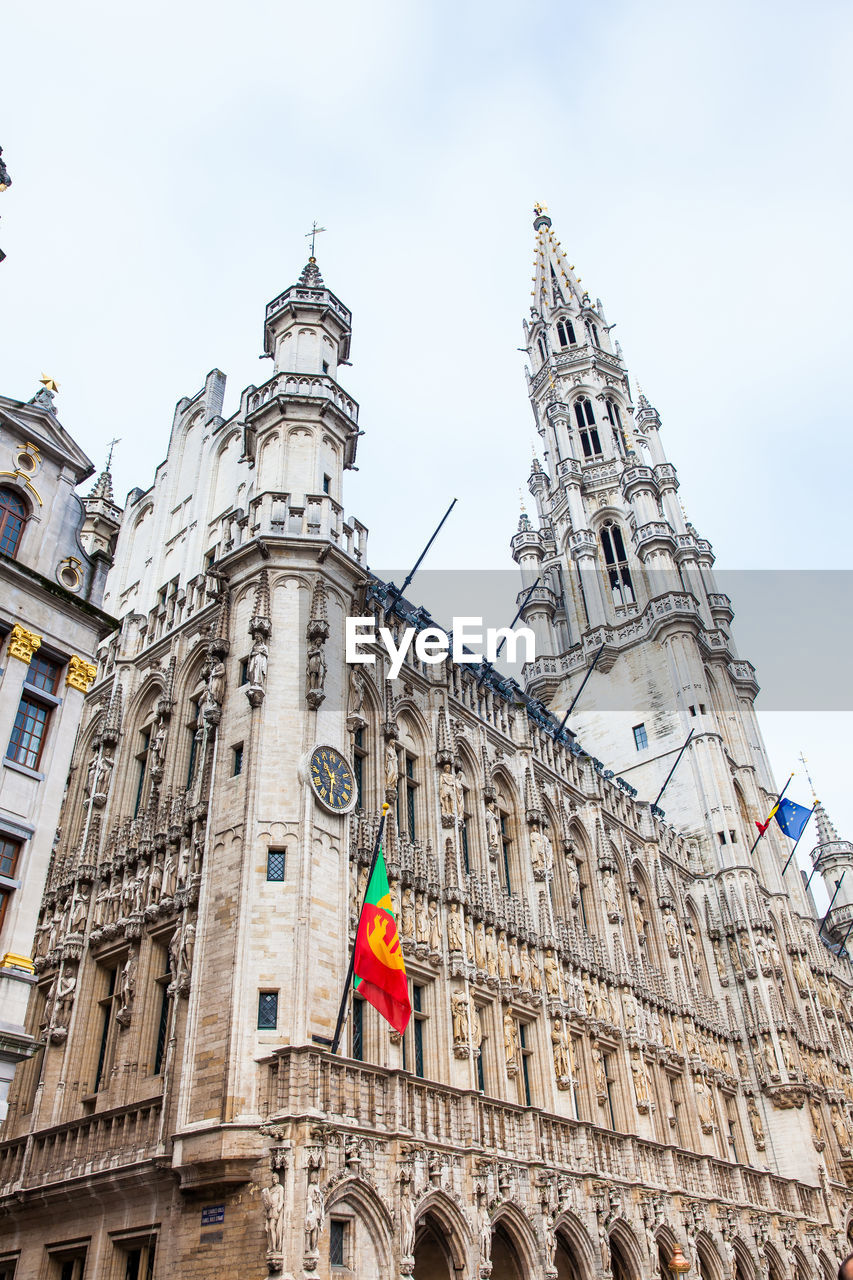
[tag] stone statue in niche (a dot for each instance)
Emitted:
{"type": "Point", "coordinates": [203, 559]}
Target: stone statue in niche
{"type": "Point", "coordinates": [80, 912]}
{"type": "Point", "coordinates": [493, 829]}
{"type": "Point", "coordinates": [407, 1216]}
{"type": "Point", "coordinates": [422, 919]}
{"type": "Point", "coordinates": [434, 929]}
{"type": "Point", "coordinates": [459, 1017]}
{"type": "Point", "coordinates": [670, 929]}
{"type": "Point", "coordinates": [407, 914]}
{"type": "Point", "coordinates": [355, 700]}
{"type": "Point", "coordinates": [392, 766]}
{"type": "Point", "coordinates": [258, 660]}
{"type": "Point", "coordinates": [315, 1214]}
{"type": "Point", "coordinates": [561, 1055]}
{"type": "Point", "coordinates": [537, 852]}
{"type": "Point", "coordinates": [756, 1125]}
{"type": "Point", "coordinates": [454, 928]}
{"type": "Point", "coordinates": [273, 1204]}
{"type": "Point", "coordinates": [447, 792]}
{"type": "Point", "coordinates": [127, 989]}
{"type": "Point", "coordinates": [315, 673]}
{"type": "Point", "coordinates": [66, 985]}
{"type": "Point", "coordinates": [214, 694]}
{"type": "Point", "coordinates": [480, 946]}
{"type": "Point", "coordinates": [511, 1042]}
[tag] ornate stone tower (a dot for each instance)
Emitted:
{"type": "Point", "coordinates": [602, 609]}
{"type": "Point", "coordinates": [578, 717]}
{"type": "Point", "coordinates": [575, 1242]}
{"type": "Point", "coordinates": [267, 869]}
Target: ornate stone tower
{"type": "Point", "coordinates": [833, 859]}
{"type": "Point", "coordinates": [626, 577]}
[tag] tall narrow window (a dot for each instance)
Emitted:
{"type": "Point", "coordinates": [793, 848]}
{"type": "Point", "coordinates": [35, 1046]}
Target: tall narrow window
{"type": "Point", "coordinates": [406, 808]}
{"type": "Point", "coordinates": [566, 333]}
{"type": "Point", "coordinates": [542, 351]}
{"type": "Point", "coordinates": [142, 761]}
{"type": "Point", "coordinates": [607, 1059]}
{"type": "Point", "coordinates": [13, 513]}
{"type": "Point", "coordinates": [506, 842]}
{"type": "Point", "coordinates": [43, 673]}
{"type": "Point", "coordinates": [105, 1047]}
{"type": "Point", "coordinates": [416, 1031]}
{"type": "Point", "coordinates": [466, 858]}
{"type": "Point", "coordinates": [616, 564]}
{"type": "Point", "coordinates": [591, 332]}
{"type": "Point", "coordinates": [163, 1020]}
{"type": "Point", "coordinates": [138, 1261]}
{"type": "Point", "coordinates": [585, 418]}
{"type": "Point", "coordinates": [193, 728]}
{"type": "Point", "coordinates": [359, 755]}
{"type": "Point", "coordinates": [338, 1242]}
{"type": "Point", "coordinates": [358, 1029]}
{"type": "Point", "coordinates": [267, 1010]}
{"type": "Point", "coordinates": [526, 1054]}
{"type": "Point", "coordinates": [641, 738]}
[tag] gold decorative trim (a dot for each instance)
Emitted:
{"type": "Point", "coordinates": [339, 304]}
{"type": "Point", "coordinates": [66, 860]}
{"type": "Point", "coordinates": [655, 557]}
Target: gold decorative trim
{"type": "Point", "coordinates": [22, 475]}
{"type": "Point", "coordinates": [80, 674]}
{"type": "Point", "coordinates": [23, 643]}
{"type": "Point", "coordinates": [11, 961]}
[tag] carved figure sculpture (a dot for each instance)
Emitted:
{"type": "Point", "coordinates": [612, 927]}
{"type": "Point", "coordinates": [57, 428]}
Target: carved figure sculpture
{"type": "Point", "coordinates": [510, 1039]}
{"type": "Point", "coordinates": [434, 928]}
{"type": "Point", "coordinates": [454, 928]}
{"type": "Point", "coordinates": [356, 692]}
{"type": "Point", "coordinates": [392, 767]}
{"type": "Point", "coordinates": [493, 828]}
{"type": "Point", "coordinates": [273, 1202]}
{"type": "Point", "coordinates": [315, 1213]}
{"type": "Point", "coordinates": [446, 791]}
{"type": "Point", "coordinates": [407, 915]}
{"type": "Point", "coordinates": [459, 1016]}
{"type": "Point", "coordinates": [258, 660]}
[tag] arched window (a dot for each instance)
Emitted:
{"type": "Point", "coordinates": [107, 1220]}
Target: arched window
{"type": "Point", "coordinates": [590, 442]}
{"type": "Point", "coordinates": [591, 333]}
{"type": "Point", "coordinates": [616, 562]}
{"type": "Point", "coordinates": [566, 333]}
{"type": "Point", "coordinates": [13, 514]}
{"type": "Point", "coordinates": [542, 350]}
{"type": "Point", "coordinates": [614, 417]}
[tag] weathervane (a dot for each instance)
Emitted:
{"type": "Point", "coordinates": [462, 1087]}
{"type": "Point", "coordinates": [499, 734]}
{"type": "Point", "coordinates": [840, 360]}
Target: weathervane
{"type": "Point", "coordinates": [313, 233]}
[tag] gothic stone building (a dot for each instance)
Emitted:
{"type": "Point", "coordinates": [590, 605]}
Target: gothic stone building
{"type": "Point", "coordinates": [54, 556]}
{"type": "Point", "coordinates": [627, 1034]}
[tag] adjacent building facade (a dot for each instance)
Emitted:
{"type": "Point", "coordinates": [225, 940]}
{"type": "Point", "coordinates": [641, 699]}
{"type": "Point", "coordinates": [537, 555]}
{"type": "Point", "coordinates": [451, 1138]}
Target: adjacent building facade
{"type": "Point", "coordinates": [627, 1035]}
{"type": "Point", "coordinates": [55, 550]}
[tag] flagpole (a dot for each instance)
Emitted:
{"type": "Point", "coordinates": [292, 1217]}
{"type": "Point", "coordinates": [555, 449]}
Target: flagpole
{"type": "Point", "coordinates": [580, 690]}
{"type": "Point", "coordinates": [342, 1012]}
{"type": "Point", "coordinates": [518, 615]}
{"type": "Point", "coordinates": [674, 767]}
{"type": "Point", "coordinates": [412, 573]}
{"type": "Point", "coordinates": [797, 841]}
{"type": "Point", "coordinates": [778, 798]}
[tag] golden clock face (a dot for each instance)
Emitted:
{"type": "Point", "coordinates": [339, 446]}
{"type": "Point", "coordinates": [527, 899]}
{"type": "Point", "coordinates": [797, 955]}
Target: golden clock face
{"type": "Point", "coordinates": [332, 780]}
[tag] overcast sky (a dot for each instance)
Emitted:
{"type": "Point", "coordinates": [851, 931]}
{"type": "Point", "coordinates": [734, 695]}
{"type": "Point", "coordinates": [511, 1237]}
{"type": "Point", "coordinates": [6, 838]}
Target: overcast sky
{"type": "Point", "coordinates": [167, 160]}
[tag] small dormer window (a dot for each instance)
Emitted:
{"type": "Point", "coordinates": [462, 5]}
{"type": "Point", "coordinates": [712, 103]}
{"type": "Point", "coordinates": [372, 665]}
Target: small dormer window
{"type": "Point", "coordinates": [13, 515]}
{"type": "Point", "coordinates": [566, 333]}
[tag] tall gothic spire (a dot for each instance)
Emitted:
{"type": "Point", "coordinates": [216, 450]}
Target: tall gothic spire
{"type": "Point", "coordinates": [554, 281]}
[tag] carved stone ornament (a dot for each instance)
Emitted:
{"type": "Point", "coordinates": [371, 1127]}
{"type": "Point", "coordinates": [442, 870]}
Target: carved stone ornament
{"type": "Point", "coordinates": [23, 644]}
{"type": "Point", "coordinates": [80, 674]}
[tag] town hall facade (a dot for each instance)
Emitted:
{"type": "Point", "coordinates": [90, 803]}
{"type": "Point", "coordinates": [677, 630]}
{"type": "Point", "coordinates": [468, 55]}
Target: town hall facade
{"type": "Point", "coordinates": [629, 1042]}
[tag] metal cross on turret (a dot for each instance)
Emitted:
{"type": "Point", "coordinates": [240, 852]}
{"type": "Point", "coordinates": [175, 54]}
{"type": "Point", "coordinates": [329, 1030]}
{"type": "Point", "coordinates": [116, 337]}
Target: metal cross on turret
{"type": "Point", "coordinates": [313, 233]}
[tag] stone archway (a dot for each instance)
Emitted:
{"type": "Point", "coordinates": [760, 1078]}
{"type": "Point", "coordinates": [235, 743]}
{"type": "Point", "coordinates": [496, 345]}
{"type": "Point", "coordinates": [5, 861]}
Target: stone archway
{"type": "Point", "coordinates": [506, 1258]}
{"type": "Point", "coordinates": [433, 1258]}
{"type": "Point", "coordinates": [567, 1262]}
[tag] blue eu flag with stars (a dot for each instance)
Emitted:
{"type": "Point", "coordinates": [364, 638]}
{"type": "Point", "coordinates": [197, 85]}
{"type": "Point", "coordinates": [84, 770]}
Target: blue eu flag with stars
{"type": "Point", "coordinates": [792, 818]}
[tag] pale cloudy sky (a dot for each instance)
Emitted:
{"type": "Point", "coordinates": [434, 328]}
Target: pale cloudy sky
{"type": "Point", "coordinates": [167, 160]}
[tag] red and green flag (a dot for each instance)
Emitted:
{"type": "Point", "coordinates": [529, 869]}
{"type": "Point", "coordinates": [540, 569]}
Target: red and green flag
{"type": "Point", "coordinates": [378, 966]}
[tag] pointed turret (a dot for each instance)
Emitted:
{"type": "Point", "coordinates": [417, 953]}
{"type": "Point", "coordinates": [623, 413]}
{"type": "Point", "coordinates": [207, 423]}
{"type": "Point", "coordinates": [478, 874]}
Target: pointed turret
{"type": "Point", "coordinates": [833, 858]}
{"type": "Point", "coordinates": [307, 329]}
{"type": "Point", "coordinates": [102, 521]}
